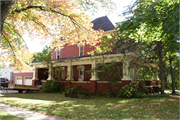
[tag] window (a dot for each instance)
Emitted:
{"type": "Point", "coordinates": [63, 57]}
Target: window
{"type": "Point", "coordinates": [28, 80]}
{"type": "Point", "coordinates": [18, 80]}
{"type": "Point", "coordinates": [81, 50]}
{"type": "Point", "coordinates": [62, 39]}
{"type": "Point", "coordinates": [58, 54]}
{"type": "Point", "coordinates": [56, 73]}
{"type": "Point", "coordinates": [2, 79]}
{"type": "Point", "coordinates": [101, 72]}
{"type": "Point", "coordinates": [63, 73]}
{"type": "Point", "coordinates": [81, 73]}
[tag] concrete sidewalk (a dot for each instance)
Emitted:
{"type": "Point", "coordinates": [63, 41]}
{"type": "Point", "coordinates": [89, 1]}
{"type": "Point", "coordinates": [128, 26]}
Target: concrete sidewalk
{"type": "Point", "coordinates": [26, 113]}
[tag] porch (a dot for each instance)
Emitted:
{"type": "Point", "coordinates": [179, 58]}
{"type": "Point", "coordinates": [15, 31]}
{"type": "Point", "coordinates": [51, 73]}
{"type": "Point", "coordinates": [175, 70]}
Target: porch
{"type": "Point", "coordinates": [73, 71]}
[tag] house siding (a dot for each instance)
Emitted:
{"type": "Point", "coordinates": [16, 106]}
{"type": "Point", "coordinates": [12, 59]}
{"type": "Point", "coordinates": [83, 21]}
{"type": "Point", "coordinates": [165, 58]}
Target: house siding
{"type": "Point", "coordinates": [73, 50]}
{"type": "Point", "coordinates": [25, 74]}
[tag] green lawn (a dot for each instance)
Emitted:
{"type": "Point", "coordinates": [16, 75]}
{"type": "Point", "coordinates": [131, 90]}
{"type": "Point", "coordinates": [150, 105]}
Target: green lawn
{"type": "Point", "coordinates": [6, 116]}
{"type": "Point", "coordinates": [96, 107]}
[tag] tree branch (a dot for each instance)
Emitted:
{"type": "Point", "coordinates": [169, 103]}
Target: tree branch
{"type": "Point", "coordinates": [5, 8]}
{"type": "Point", "coordinates": [16, 33]}
{"type": "Point", "coordinates": [44, 9]}
{"type": "Point", "coordinates": [10, 47]}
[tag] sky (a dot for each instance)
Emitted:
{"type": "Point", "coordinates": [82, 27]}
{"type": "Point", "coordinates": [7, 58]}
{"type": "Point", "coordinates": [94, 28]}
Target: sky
{"type": "Point", "coordinates": [35, 46]}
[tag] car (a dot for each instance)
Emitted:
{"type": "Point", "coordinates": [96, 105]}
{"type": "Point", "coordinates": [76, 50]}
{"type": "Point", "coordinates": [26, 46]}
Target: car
{"type": "Point", "coordinates": [4, 82]}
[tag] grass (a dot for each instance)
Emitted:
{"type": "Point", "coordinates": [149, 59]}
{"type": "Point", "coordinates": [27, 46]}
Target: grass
{"type": "Point", "coordinates": [6, 116]}
{"type": "Point", "coordinates": [96, 107]}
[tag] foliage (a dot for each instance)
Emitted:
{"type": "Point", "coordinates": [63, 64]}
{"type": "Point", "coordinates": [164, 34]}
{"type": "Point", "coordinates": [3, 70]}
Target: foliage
{"type": "Point", "coordinates": [105, 47]}
{"type": "Point", "coordinates": [47, 21]}
{"type": "Point", "coordinates": [153, 29]}
{"type": "Point", "coordinates": [97, 5]}
{"type": "Point", "coordinates": [113, 68]}
{"type": "Point", "coordinates": [133, 91]}
{"type": "Point", "coordinates": [76, 91]}
{"type": "Point", "coordinates": [53, 72]}
{"type": "Point", "coordinates": [51, 86]}
{"type": "Point", "coordinates": [169, 82]}
{"type": "Point", "coordinates": [56, 104]}
{"type": "Point", "coordinates": [109, 94]}
{"type": "Point", "coordinates": [70, 89]}
{"type": "Point", "coordinates": [39, 56]}
{"type": "Point", "coordinates": [145, 73]}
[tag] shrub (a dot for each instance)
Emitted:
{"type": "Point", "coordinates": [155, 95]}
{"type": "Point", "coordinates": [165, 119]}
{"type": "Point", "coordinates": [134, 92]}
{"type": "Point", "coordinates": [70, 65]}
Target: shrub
{"type": "Point", "coordinates": [109, 94]}
{"type": "Point", "coordinates": [78, 92]}
{"type": "Point", "coordinates": [51, 86]}
{"type": "Point", "coordinates": [133, 91]}
{"type": "Point", "coordinates": [69, 89]}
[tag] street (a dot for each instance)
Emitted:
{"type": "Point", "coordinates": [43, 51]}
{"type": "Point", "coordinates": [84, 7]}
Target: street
{"type": "Point", "coordinates": [10, 91]}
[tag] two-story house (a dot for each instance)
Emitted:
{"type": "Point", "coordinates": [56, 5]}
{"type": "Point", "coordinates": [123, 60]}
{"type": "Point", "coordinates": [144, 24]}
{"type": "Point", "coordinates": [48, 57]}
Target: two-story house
{"type": "Point", "coordinates": [75, 62]}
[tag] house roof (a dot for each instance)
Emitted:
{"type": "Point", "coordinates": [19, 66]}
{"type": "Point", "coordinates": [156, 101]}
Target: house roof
{"type": "Point", "coordinates": [102, 23]}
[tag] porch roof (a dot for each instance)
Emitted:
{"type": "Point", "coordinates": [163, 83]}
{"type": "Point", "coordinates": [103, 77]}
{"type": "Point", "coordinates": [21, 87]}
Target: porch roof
{"type": "Point", "coordinates": [111, 55]}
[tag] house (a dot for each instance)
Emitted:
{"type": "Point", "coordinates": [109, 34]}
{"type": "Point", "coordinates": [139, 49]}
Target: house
{"type": "Point", "coordinates": [7, 71]}
{"type": "Point", "coordinates": [75, 62]}
{"type": "Point", "coordinates": [23, 78]}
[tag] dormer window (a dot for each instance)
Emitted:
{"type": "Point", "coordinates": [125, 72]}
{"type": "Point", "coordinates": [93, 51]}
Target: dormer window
{"type": "Point", "coordinates": [58, 54]}
{"type": "Point", "coordinates": [62, 39]}
{"type": "Point", "coordinates": [81, 50]}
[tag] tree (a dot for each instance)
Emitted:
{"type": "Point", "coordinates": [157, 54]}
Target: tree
{"type": "Point", "coordinates": [39, 56]}
{"type": "Point", "coordinates": [113, 68]}
{"type": "Point", "coordinates": [172, 63]}
{"type": "Point", "coordinates": [154, 27]}
{"type": "Point", "coordinates": [48, 20]}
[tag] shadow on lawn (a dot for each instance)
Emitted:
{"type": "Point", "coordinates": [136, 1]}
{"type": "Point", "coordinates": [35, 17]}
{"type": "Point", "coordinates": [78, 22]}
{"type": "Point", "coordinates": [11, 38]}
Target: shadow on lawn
{"type": "Point", "coordinates": [97, 107]}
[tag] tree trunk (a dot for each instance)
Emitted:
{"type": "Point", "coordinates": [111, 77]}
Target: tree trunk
{"type": "Point", "coordinates": [5, 8]}
{"type": "Point", "coordinates": [161, 65]}
{"type": "Point", "coordinates": [172, 77]}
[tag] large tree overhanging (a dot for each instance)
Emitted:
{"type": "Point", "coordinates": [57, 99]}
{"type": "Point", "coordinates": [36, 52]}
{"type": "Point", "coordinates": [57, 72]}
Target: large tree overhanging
{"type": "Point", "coordinates": [153, 24]}
{"type": "Point", "coordinates": [46, 19]}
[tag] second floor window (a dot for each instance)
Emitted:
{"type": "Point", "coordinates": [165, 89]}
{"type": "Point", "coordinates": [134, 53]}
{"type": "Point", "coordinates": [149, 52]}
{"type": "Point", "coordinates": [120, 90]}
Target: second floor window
{"type": "Point", "coordinates": [58, 54]}
{"type": "Point", "coordinates": [81, 50]}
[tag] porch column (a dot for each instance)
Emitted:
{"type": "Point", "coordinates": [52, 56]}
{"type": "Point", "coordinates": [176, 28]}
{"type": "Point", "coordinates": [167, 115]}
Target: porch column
{"type": "Point", "coordinates": [156, 79]}
{"type": "Point", "coordinates": [126, 73]}
{"type": "Point", "coordinates": [94, 76]}
{"type": "Point", "coordinates": [50, 74]}
{"type": "Point", "coordinates": [69, 71]}
{"type": "Point", "coordinates": [126, 80]}
{"type": "Point", "coordinates": [35, 73]}
{"type": "Point", "coordinates": [156, 73]}
{"type": "Point", "coordinates": [35, 76]}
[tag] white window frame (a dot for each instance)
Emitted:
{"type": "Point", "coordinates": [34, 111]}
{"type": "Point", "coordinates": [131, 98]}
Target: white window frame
{"type": "Point", "coordinates": [80, 77]}
{"type": "Point", "coordinates": [16, 79]}
{"type": "Point", "coordinates": [82, 50]}
{"type": "Point", "coordinates": [25, 79]}
{"type": "Point", "coordinates": [57, 54]}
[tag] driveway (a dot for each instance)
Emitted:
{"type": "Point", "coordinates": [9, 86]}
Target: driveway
{"type": "Point", "coordinates": [26, 113]}
{"type": "Point", "coordinates": [10, 91]}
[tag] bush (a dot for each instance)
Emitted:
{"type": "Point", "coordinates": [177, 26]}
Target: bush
{"type": "Point", "coordinates": [69, 89]}
{"type": "Point", "coordinates": [133, 91]}
{"type": "Point", "coordinates": [109, 94]}
{"type": "Point", "coordinates": [78, 92]}
{"type": "Point", "coordinates": [51, 86]}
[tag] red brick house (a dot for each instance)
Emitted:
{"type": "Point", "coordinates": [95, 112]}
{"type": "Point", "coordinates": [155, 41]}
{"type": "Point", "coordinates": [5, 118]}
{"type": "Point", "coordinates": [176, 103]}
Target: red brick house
{"type": "Point", "coordinates": [75, 62]}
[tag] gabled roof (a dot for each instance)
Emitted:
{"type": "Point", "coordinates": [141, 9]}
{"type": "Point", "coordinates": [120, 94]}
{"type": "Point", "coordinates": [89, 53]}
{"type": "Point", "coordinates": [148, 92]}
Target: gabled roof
{"type": "Point", "coordinates": [103, 23]}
